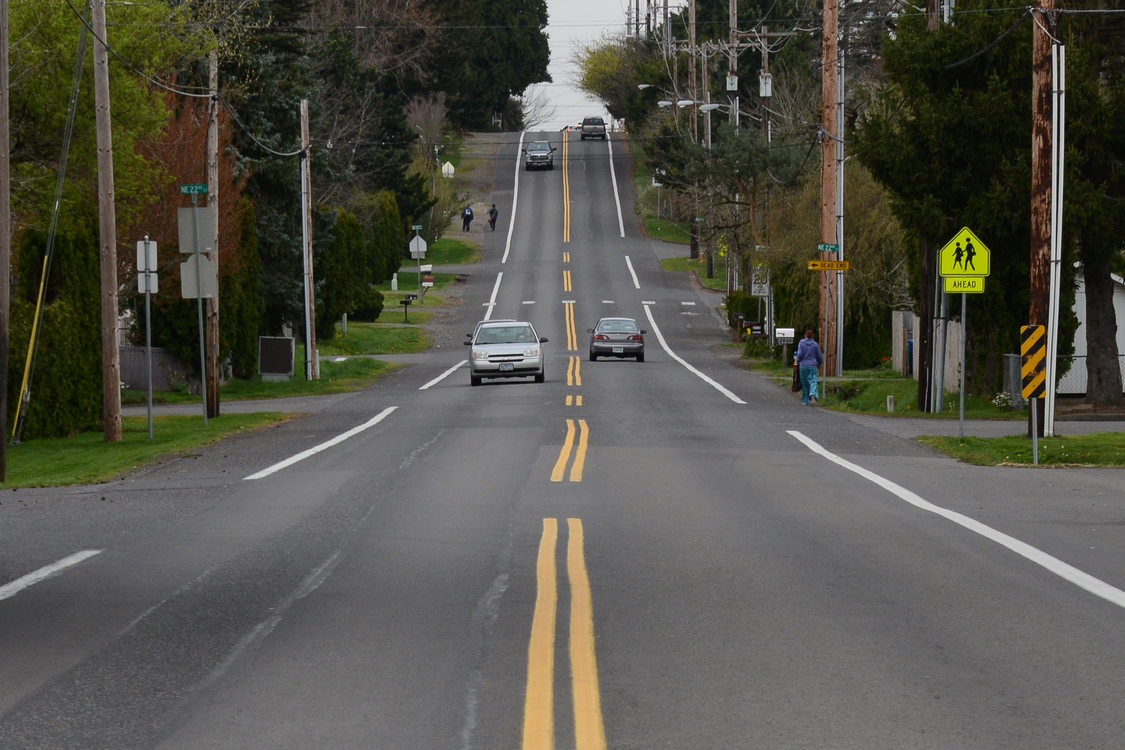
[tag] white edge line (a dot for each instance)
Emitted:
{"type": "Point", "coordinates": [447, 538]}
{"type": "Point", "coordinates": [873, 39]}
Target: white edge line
{"type": "Point", "coordinates": [613, 175]}
{"type": "Point", "coordinates": [690, 368]}
{"type": "Point", "coordinates": [444, 375]}
{"type": "Point", "coordinates": [629, 265]}
{"type": "Point", "coordinates": [1066, 571]}
{"type": "Point", "coordinates": [515, 200]}
{"type": "Point", "coordinates": [323, 446]}
{"type": "Point", "coordinates": [34, 577]}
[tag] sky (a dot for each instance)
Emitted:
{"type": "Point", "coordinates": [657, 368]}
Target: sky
{"type": "Point", "coordinates": [570, 25]}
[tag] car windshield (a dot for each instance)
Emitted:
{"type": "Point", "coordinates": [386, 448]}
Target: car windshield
{"type": "Point", "coordinates": [506, 335]}
{"type": "Point", "coordinates": [618, 326]}
{"type": "Point", "coordinates": [539, 146]}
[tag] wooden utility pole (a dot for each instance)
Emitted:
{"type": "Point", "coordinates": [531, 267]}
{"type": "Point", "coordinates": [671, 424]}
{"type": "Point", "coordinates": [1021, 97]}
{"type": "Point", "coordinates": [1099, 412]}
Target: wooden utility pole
{"type": "Point", "coordinates": [5, 238]}
{"type": "Point", "coordinates": [732, 60]}
{"type": "Point", "coordinates": [1039, 294]}
{"type": "Point", "coordinates": [212, 304]}
{"type": "Point", "coordinates": [312, 366]}
{"type": "Point", "coordinates": [828, 290]}
{"type": "Point", "coordinates": [107, 233]}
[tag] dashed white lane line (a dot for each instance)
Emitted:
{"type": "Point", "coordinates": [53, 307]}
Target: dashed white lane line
{"type": "Point", "coordinates": [18, 585]}
{"type": "Point", "coordinates": [1067, 572]}
{"type": "Point", "coordinates": [444, 375]}
{"type": "Point", "coordinates": [632, 272]}
{"type": "Point", "coordinates": [323, 446]}
{"type": "Point", "coordinates": [690, 368]}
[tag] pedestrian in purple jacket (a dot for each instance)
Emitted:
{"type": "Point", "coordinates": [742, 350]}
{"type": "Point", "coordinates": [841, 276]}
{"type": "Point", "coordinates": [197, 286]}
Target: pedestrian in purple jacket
{"type": "Point", "coordinates": [808, 358]}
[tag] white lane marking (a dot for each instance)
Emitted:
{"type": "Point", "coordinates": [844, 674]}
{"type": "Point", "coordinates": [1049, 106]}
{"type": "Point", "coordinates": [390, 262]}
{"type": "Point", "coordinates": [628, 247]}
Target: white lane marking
{"type": "Point", "coordinates": [688, 304]}
{"type": "Point", "coordinates": [444, 375]}
{"type": "Point", "coordinates": [323, 446]}
{"type": "Point", "coordinates": [21, 583]}
{"type": "Point", "coordinates": [648, 302]}
{"type": "Point", "coordinates": [528, 302]}
{"type": "Point", "coordinates": [616, 196]}
{"type": "Point", "coordinates": [609, 302]}
{"type": "Point", "coordinates": [311, 583]}
{"type": "Point", "coordinates": [492, 299]}
{"type": "Point", "coordinates": [629, 265]}
{"type": "Point", "coordinates": [1067, 572]}
{"type": "Point", "coordinates": [515, 200]}
{"type": "Point", "coordinates": [690, 368]}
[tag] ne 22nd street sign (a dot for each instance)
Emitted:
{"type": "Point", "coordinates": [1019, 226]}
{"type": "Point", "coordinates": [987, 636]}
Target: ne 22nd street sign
{"type": "Point", "coordinates": [194, 189]}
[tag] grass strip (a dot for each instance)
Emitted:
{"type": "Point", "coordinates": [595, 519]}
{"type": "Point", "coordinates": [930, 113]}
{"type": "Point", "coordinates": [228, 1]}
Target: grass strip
{"type": "Point", "coordinates": [1094, 449]}
{"type": "Point", "coordinates": [87, 457]}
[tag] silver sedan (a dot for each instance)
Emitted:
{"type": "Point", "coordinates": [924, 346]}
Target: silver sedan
{"type": "Point", "coordinates": [617, 337]}
{"type": "Point", "coordinates": [505, 349]}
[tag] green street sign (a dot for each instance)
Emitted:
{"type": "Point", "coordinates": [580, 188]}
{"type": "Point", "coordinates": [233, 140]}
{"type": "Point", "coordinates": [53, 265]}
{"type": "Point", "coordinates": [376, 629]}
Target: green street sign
{"type": "Point", "coordinates": [196, 189]}
{"type": "Point", "coordinates": [828, 247]}
{"type": "Point", "coordinates": [417, 227]}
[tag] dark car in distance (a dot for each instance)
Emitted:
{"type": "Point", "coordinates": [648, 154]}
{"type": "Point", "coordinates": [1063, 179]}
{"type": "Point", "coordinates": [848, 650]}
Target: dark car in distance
{"type": "Point", "coordinates": [592, 127]}
{"type": "Point", "coordinates": [617, 337]}
{"type": "Point", "coordinates": [539, 155]}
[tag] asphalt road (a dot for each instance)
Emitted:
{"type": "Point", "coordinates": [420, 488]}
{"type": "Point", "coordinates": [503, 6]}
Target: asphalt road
{"type": "Point", "coordinates": [668, 554]}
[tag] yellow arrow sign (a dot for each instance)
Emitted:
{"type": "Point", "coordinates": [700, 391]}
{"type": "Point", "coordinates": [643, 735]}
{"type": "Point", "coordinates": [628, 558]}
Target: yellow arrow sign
{"type": "Point", "coordinates": [829, 265]}
{"type": "Point", "coordinates": [964, 255]}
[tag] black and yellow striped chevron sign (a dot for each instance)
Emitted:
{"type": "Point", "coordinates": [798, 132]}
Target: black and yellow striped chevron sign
{"type": "Point", "coordinates": [1033, 355]}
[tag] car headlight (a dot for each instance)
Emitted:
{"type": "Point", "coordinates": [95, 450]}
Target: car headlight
{"type": "Point", "coordinates": [479, 354]}
{"type": "Point", "coordinates": [532, 351]}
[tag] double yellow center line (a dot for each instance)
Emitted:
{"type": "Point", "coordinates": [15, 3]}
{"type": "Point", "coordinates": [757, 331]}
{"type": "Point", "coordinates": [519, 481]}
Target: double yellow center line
{"type": "Point", "coordinates": [538, 712]}
{"type": "Point", "coordinates": [569, 446]}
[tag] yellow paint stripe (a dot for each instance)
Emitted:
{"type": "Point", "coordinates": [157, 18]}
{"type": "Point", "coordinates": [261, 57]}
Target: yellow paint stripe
{"type": "Point", "coordinates": [578, 400]}
{"type": "Point", "coordinates": [589, 726]}
{"type": "Point", "coordinates": [539, 699]}
{"type": "Point", "coordinates": [566, 281]}
{"type": "Point", "coordinates": [580, 454]}
{"type": "Point", "coordinates": [571, 335]}
{"type": "Point", "coordinates": [564, 454]}
{"type": "Point", "coordinates": [577, 371]}
{"type": "Point", "coordinates": [566, 188]}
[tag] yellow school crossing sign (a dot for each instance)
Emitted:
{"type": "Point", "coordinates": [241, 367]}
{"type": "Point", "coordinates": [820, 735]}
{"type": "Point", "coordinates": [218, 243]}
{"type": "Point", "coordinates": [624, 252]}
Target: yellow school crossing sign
{"type": "Point", "coordinates": [964, 262]}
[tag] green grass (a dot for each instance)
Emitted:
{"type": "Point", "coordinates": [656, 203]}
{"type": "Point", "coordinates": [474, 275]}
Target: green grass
{"type": "Point", "coordinates": [451, 251]}
{"type": "Point", "coordinates": [1095, 449]}
{"type": "Point", "coordinates": [718, 281]}
{"type": "Point", "coordinates": [666, 229]}
{"type": "Point", "coordinates": [389, 337]}
{"type": "Point", "coordinates": [87, 457]}
{"type": "Point", "coordinates": [335, 377]}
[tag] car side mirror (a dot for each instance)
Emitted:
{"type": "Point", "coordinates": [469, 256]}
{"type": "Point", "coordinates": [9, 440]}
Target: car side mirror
{"type": "Point", "coordinates": [543, 340]}
{"type": "Point", "coordinates": [643, 332]}
{"type": "Point", "coordinates": [553, 149]}
{"type": "Point", "coordinates": [589, 330]}
{"type": "Point", "coordinates": [469, 342]}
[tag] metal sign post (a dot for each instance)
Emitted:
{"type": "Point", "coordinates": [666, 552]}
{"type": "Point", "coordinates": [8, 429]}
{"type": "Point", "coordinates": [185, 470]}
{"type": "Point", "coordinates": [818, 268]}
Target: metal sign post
{"type": "Point", "coordinates": [146, 281]}
{"type": "Point", "coordinates": [195, 191]}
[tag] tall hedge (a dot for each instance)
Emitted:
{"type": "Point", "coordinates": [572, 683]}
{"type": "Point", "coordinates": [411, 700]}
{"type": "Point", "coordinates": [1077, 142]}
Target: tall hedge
{"type": "Point", "coordinates": [66, 389]}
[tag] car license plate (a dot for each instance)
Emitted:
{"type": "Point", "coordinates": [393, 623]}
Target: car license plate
{"type": "Point", "coordinates": [506, 367]}
{"type": "Point", "coordinates": [618, 350]}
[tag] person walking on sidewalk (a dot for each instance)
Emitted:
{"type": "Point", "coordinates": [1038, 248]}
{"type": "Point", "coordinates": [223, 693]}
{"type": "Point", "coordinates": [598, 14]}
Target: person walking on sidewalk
{"type": "Point", "coordinates": [492, 214]}
{"type": "Point", "coordinates": [466, 218]}
{"type": "Point", "coordinates": [808, 358]}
